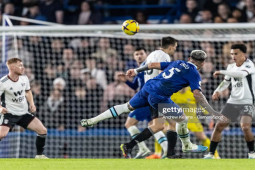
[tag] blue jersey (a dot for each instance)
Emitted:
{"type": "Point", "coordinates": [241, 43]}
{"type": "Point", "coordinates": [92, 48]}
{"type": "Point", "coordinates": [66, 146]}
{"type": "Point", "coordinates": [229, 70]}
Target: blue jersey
{"type": "Point", "coordinates": [175, 76]}
{"type": "Point", "coordinates": [137, 82]}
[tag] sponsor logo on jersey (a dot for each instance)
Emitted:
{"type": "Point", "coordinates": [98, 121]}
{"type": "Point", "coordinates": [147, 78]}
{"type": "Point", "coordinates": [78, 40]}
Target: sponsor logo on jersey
{"type": "Point", "coordinates": [6, 121]}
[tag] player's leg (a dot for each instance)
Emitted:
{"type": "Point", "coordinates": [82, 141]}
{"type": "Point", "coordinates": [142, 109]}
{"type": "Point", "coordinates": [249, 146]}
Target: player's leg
{"type": "Point", "coordinates": [172, 139]}
{"type": "Point", "coordinates": [37, 126]}
{"type": "Point", "coordinates": [138, 101]}
{"type": "Point", "coordinates": [246, 122]}
{"type": "Point", "coordinates": [4, 130]}
{"type": "Point", "coordinates": [215, 138]}
{"type": "Point", "coordinates": [134, 131]}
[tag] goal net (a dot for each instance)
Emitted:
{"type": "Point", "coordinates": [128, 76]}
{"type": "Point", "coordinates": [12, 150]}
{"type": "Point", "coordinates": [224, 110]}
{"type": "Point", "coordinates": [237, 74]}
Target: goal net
{"type": "Point", "coordinates": [72, 71]}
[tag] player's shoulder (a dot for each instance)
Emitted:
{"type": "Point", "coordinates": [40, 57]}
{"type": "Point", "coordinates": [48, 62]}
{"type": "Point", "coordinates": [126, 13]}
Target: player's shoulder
{"type": "Point", "coordinates": [4, 79]}
{"type": "Point", "coordinates": [248, 64]}
{"type": "Point", "coordinates": [158, 56]}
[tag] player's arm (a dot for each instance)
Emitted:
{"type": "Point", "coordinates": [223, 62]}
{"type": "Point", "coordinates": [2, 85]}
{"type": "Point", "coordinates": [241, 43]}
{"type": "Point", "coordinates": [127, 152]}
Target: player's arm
{"type": "Point", "coordinates": [29, 97]}
{"type": "Point", "coordinates": [149, 66]}
{"type": "Point", "coordinates": [133, 85]}
{"type": "Point", "coordinates": [3, 110]}
{"type": "Point", "coordinates": [235, 74]}
{"type": "Point", "coordinates": [223, 86]}
{"type": "Point", "coordinates": [200, 98]}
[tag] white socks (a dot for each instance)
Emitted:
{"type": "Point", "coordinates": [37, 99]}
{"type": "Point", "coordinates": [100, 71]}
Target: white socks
{"type": "Point", "coordinates": [114, 111]}
{"type": "Point", "coordinates": [134, 131]}
{"type": "Point", "coordinates": [162, 140]}
{"type": "Point", "coordinates": [183, 132]}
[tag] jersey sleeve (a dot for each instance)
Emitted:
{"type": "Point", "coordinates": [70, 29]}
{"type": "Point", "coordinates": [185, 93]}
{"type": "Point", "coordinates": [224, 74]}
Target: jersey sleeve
{"type": "Point", "coordinates": [1, 88]}
{"type": "Point", "coordinates": [164, 65]}
{"type": "Point", "coordinates": [226, 77]}
{"type": "Point", "coordinates": [134, 84]}
{"type": "Point", "coordinates": [194, 79]}
{"type": "Point", "coordinates": [248, 67]}
{"type": "Point", "coordinates": [27, 83]}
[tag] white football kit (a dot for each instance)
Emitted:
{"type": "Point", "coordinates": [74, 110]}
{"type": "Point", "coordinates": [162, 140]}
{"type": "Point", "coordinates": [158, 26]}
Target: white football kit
{"type": "Point", "coordinates": [155, 56]}
{"type": "Point", "coordinates": [13, 94]}
{"type": "Point", "coordinates": [243, 89]}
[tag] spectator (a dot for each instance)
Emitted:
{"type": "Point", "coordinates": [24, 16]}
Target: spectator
{"type": "Point", "coordinates": [205, 16]}
{"type": "Point", "coordinates": [141, 17]}
{"type": "Point", "coordinates": [116, 92]}
{"type": "Point", "coordinates": [224, 12]}
{"type": "Point", "coordinates": [239, 15]}
{"type": "Point", "coordinates": [103, 49]}
{"type": "Point", "coordinates": [128, 51]}
{"type": "Point", "coordinates": [34, 13]}
{"type": "Point", "coordinates": [247, 8]}
{"type": "Point", "coordinates": [191, 9]}
{"type": "Point", "coordinates": [87, 15]}
{"type": "Point", "coordinates": [18, 50]}
{"type": "Point", "coordinates": [59, 83]}
{"type": "Point", "coordinates": [212, 5]}
{"type": "Point", "coordinates": [53, 110]}
{"type": "Point", "coordinates": [52, 10]}
{"type": "Point", "coordinates": [185, 19]}
{"type": "Point", "coordinates": [38, 97]}
{"type": "Point", "coordinates": [98, 74]}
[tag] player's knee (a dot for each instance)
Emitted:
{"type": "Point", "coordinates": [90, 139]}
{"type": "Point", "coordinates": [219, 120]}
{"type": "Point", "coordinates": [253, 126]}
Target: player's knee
{"type": "Point", "coordinates": [2, 136]}
{"type": "Point", "coordinates": [43, 130]}
{"type": "Point", "coordinates": [245, 128]}
{"type": "Point", "coordinates": [220, 127]}
{"type": "Point", "coordinates": [127, 125]}
{"type": "Point", "coordinates": [130, 107]}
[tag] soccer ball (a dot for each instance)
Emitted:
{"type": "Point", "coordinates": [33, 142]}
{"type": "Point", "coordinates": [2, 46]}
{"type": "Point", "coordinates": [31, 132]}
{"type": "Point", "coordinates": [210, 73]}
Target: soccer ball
{"type": "Point", "coordinates": [130, 27]}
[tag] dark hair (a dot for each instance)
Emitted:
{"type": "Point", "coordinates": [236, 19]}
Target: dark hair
{"type": "Point", "coordinates": [167, 41]}
{"type": "Point", "coordinates": [140, 48]}
{"type": "Point", "coordinates": [241, 47]}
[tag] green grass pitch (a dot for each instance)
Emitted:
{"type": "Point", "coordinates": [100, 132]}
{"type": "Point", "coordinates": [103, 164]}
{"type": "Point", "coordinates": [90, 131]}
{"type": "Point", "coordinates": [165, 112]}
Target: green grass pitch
{"type": "Point", "coordinates": [126, 164]}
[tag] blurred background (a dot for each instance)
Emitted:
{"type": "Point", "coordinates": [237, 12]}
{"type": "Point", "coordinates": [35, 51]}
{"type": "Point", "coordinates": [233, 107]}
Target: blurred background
{"type": "Point", "coordinates": [73, 75]}
{"type": "Point", "coordinates": [78, 12]}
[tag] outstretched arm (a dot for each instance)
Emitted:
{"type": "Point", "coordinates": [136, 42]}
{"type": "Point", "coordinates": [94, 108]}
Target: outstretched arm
{"type": "Point", "coordinates": [134, 72]}
{"type": "Point", "coordinates": [236, 74]}
{"type": "Point", "coordinates": [200, 98]}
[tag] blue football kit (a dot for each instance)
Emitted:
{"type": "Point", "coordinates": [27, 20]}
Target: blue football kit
{"type": "Point", "coordinates": [175, 76]}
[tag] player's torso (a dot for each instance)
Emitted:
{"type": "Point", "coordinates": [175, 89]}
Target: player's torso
{"type": "Point", "coordinates": [171, 80]}
{"type": "Point", "coordinates": [14, 95]}
{"type": "Point", "coordinates": [155, 56]}
{"type": "Point", "coordinates": [242, 87]}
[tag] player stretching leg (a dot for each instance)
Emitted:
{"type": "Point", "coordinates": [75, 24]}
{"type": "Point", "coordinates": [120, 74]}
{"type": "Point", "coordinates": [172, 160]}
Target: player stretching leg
{"type": "Point", "coordinates": [144, 113]}
{"type": "Point", "coordinates": [15, 92]}
{"type": "Point", "coordinates": [176, 75]}
{"type": "Point", "coordinates": [241, 74]}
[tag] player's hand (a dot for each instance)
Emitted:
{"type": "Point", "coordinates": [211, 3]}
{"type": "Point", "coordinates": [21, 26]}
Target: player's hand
{"type": "Point", "coordinates": [216, 96]}
{"type": "Point", "coordinates": [32, 108]}
{"type": "Point", "coordinates": [3, 110]}
{"type": "Point", "coordinates": [122, 77]}
{"type": "Point", "coordinates": [216, 73]}
{"type": "Point", "coordinates": [131, 73]}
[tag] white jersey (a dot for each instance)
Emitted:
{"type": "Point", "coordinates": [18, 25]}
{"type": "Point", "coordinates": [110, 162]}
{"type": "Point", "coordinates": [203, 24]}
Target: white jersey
{"type": "Point", "coordinates": [155, 56]}
{"type": "Point", "coordinates": [243, 89]}
{"type": "Point", "coordinates": [14, 99]}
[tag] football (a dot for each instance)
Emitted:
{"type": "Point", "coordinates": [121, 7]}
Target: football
{"type": "Point", "coordinates": [130, 27]}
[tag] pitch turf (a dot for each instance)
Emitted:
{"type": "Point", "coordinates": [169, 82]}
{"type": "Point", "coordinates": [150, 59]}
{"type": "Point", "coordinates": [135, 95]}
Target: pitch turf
{"type": "Point", "coordinates": [126, 164]}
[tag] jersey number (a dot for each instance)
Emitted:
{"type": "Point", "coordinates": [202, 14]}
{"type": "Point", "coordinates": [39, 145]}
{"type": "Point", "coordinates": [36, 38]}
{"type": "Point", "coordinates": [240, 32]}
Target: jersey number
{"type": "Point", "coordinates": [171, 73]}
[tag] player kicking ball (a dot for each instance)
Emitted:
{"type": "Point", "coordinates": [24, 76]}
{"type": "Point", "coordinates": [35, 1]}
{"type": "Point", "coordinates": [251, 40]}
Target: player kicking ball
{"type": "Point", "coordinates": [175, 76]}
{"type": "Point", "coordinates": [15, 92]}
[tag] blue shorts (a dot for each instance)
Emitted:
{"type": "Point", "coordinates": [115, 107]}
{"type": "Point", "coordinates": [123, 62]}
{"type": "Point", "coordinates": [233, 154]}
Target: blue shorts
{"type": "Point", "coordinates": [144, 98]}
{"type": "Point", "coordinates": [141, 114]}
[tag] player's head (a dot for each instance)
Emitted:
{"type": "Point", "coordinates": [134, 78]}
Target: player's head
{"type": "Point", "coordinates": [169, 45]}
{"type": "Point", "coordinates": [238, 53]}
{"type": "Point", "coordinates": [140, 55]}
{"type": "Point", "coordinates": [198, 57]}
{"type": "Point", "coordinates": [15, 66]}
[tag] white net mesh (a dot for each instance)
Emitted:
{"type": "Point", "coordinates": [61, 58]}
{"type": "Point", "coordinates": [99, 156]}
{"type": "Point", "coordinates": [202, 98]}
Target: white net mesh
{"type": "Point", "coordinates": [72, 75]}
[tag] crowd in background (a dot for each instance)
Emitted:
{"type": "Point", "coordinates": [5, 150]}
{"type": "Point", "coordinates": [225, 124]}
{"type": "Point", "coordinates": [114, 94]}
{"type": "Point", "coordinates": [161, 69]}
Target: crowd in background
{"type": "Point", "coordinates": [74, 78]}
{"type": "Point", "coordinates": [83, 12]}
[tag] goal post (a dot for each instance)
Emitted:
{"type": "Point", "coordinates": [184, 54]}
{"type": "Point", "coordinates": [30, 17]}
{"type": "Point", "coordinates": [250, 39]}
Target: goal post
{"type": "Point", "coordinates": [72, 74]}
